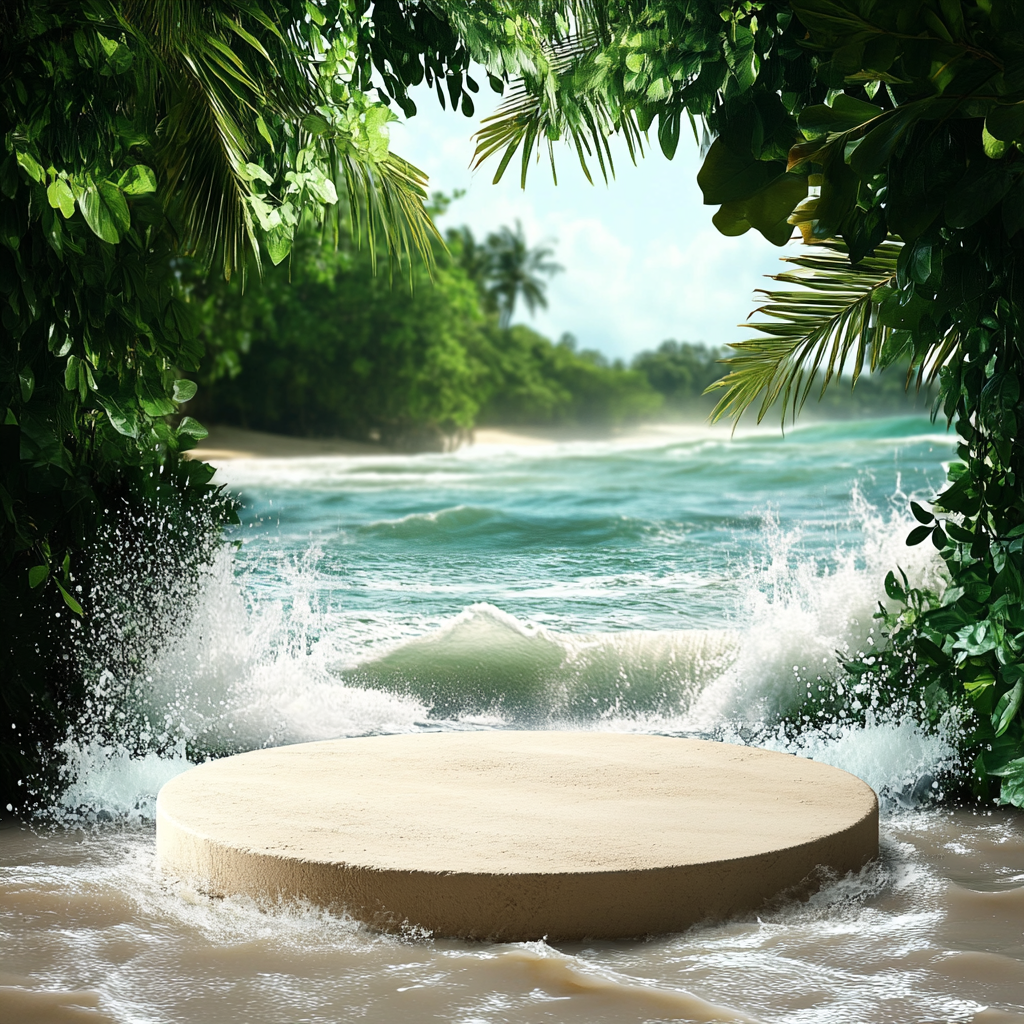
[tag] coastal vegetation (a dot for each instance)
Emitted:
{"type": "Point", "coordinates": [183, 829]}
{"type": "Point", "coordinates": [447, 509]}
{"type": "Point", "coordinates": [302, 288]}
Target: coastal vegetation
{"type": "Point", "coordinates": [153, 151]}
{"type": "Point", "coordinates": [134, 135]}
{"type": "Point", "coordinates": [324, 346]}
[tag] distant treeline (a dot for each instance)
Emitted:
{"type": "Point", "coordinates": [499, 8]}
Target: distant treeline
{"type": "Point", "coordinates": [325, 346]}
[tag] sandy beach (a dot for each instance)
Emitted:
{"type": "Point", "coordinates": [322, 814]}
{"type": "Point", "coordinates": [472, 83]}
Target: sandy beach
{"type": "Point", "coordinates": [225, 444]}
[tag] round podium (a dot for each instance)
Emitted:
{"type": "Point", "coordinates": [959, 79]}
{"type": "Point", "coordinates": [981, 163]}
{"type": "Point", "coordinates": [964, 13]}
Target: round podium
{"type": "Point", "coordinates": [517, 835]}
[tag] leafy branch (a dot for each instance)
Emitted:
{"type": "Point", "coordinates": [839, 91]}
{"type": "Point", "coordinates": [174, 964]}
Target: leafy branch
{"type": "Point", "coordinates": [835, 317]}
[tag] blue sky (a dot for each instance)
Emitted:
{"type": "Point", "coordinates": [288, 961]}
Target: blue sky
{"type": "Point", "coordinates": [642, 260]}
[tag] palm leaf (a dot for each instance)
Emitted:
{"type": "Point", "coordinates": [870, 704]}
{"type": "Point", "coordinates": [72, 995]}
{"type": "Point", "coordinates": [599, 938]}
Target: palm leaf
{"type": "Point", "coordinates": [388, 196]}
{"type": "Point", "coordinates": [219, 72]}
{"type": "Point", "coordinates": [830, 322]}
{"type": "Point", "coordinates": [538, 111]}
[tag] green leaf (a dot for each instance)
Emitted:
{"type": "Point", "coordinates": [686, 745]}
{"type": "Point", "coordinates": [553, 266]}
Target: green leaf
{"type": "Point", "coordinates": [315, 124]}
{"type": "Point", "coordinates": [768, 210]}
{"type": "Point", "coordinates": [668, 133]}
{"type": "Point", "coordinates": [261, 127]}
{"type": "Point", "coordinates": [27, 382]}
{"type": "Point", "coordinates": [105, 210]}
{"type": "Point", "coordinates": [893, 589]}
{"type": "Point", "coordinates": [920, 514]}
{"type": "Point", "coordinates": [279, 243]}
{"type": "Point", "coordinates": [1007, 707]}
{"type": "Point", "coordinates": [254, 172]}
{"type": "Point", "coordinates": [60, 197]}
{"type": "Point", "coordinates": [878, 145]}
{"type": "Point", "coordinates": [728, 175]}
{"type": "Point", "coordinates": [71, 373]}
{"type": "Point", "coordinates": [845, 114]}
{"type": "Point", "coordinates": [68, 599]}
{"type": "Point", "coordinates": [184, 390]}
{"type": "Point", "coordinates": [918, 535]}
{"type": "Point", "coordinates": [37, 574]}
{"type": "Point", "coordinates": [137, 181]}
{"type": "Point", "coordinates": [121, 409]}
{"type": "Point", "coordinates": [192, 428]}
{"type": "Point", "coordinates": [1006, 122]}
{"type": "Point", "coordinates": [152, 395]}
{"type": "Point", "coordinates": [995, 149]}
{"type": "Point", "coordinates": [29, 165]}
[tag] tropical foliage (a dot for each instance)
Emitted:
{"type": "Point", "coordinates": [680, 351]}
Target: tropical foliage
{"type": "Point", "coordinates": [507, 269]}
{"type": "Point", "coordinates": [891, 134]}
{"type": "Point", "coordinates": [327, 347]}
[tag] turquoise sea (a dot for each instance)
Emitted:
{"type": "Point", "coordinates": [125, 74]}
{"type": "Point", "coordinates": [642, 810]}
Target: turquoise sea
{"type": "Point", "coordinates": [682, 580]}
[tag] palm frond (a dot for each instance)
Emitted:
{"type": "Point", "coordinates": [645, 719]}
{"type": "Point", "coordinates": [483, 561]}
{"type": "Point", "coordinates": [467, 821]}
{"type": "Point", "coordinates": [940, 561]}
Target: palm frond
{"type": "Point", "coordinates": [832, 321]}
{"type": "Point", "coordinates": [535, 113]}
{"type": "Point", "coordinates": [388, 196]}
{"type": "Point", "coordinates": [212, 77]}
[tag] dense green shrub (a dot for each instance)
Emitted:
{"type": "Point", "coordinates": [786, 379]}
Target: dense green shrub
{"type": "Point", "coordinates": [324, 346]}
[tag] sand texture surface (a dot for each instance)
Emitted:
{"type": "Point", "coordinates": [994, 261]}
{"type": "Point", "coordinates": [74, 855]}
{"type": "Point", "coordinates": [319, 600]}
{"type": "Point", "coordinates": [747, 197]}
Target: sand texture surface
{"type": "Point", "coordinates": [517, 835]}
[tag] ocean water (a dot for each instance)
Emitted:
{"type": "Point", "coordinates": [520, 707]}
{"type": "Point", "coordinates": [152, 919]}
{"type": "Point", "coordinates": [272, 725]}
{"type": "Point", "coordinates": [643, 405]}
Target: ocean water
{"type": "Point", "coordinates": [680, 581]}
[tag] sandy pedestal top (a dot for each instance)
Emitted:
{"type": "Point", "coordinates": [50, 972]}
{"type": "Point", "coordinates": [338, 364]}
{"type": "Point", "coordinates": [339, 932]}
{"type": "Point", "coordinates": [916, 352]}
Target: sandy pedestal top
{"type": "Point", "coordinates": [517, 835]}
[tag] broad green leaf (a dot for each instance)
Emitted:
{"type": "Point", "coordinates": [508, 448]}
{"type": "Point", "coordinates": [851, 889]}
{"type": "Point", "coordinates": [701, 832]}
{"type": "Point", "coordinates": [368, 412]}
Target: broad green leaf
{"type": "Point", "coordinates": [918, 535]}
{"type": "Point", "coordinates": [26, 382]}
{"type": "Point", "coordinates": [920, 514]}
{"type": "Point", "coordinates": [768, 211]}
{"type": "Point", "coordinates": [137, 181]}
{"type": "Point", "coordinates": [184, 390]}
{"type": "Point", "coordinates": [279, 243]}
{"type": "Point", "coordinates": [60, 197]}
{"type": "Point", "coordinates": [105, 210]}
{"type": "Point", "coordinates": [29, 164]}
{"type": "Point", "coordinates": [728, 175]}
{"type": "Point", "coordinates": [668, 133]}
{"type": "Point", "coordinates": [37, 574]}
{"type": "Point", "coordinates": [1007, 707]}
{"type": "Point", "coordinates": [121, 409]}
{"type": "Point", "coordinates": [71, 373]}
{"type": "Point", "coordinates": [261, 127]}
{"type": "Point", "coordinates": [68, 599]}
{"type": "Point", "coordinates": [877, 146]}
{"type": "Point", "coordinates": [376, 121]}
{"type": "Point", "coordinates": [192, 428]}
{"type": "Point", "coordinates": [152, 395]}
{"type": "Point", "coordinates": [1005, 122]}
{"type": "Point", "coordinates": [995, 149]}
{"type": "Point", "coordinates": [893, 589]}
{"type": "Point", "coordinates": [846, 113]}
{"type": "Point", "coordinates": [315, 124]}
{"type": "Point", "coordinates": [254, 172]}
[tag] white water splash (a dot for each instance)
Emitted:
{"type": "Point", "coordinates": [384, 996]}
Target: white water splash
{"type": "Point", "coordinates": [244, 672]}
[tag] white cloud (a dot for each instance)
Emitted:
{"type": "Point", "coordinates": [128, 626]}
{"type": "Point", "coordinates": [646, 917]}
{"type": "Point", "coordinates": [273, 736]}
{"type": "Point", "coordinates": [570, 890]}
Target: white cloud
{"type": "Point", "coordinates": [642, 260]}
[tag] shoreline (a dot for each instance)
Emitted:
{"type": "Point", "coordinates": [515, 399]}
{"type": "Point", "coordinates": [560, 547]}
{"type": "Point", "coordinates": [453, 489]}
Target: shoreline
{"type": "Point", "coordinates": [227, 444]}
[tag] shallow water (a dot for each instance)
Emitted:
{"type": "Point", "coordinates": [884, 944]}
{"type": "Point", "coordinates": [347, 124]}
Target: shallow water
{"type": "Point", "coordinates": [679, 583]}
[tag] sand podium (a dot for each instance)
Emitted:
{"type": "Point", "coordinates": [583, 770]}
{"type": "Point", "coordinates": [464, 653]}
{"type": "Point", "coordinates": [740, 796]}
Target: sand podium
{"type": "Point", "coordinates": [517, 835]}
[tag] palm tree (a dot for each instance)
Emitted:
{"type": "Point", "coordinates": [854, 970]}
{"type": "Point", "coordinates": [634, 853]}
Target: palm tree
{"type": "Point", "coordinates": [471, 256]}
{"type": "Point", "coordinates": [516, 271]}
